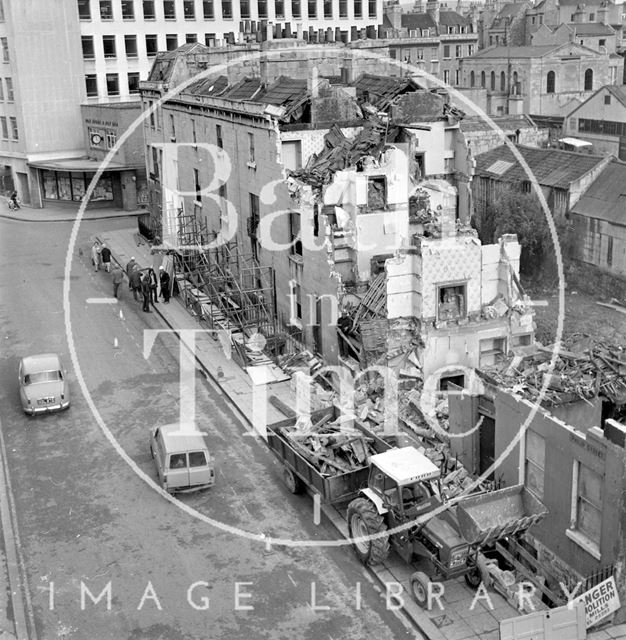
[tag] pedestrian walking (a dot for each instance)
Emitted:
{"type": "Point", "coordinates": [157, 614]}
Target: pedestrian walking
{"type": "Point", "coordinates": [153, 286]}
{"type": "Point", "coordinates": [118, 278]}
{"type": "Point", "coordinates": [95, 255]}
{"type": "Point", "coordinates": [135, 282]}
{"type": "Point", "coordinates": [105, 254]}
{"type": "Point", "coordinates": [14, 203]}
{"type": "Point", "coordinates": [145, 290]}
{"type": "Point", "coordinates": [164, 277]}
{"type": "Point", "coordinates": [129, 266]}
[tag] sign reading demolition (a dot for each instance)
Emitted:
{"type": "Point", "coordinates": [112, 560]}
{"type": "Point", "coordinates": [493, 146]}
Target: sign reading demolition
{"type": "Point", "coordinates": [600, 602]}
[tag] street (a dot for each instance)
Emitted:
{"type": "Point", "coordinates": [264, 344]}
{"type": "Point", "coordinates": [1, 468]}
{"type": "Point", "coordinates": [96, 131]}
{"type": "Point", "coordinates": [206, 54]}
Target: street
{"type": "Point", "coordinates": [89, 525]}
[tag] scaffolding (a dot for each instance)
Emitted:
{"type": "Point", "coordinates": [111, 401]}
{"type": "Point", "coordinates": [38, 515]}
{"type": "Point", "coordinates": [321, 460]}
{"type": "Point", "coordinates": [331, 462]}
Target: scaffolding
{"type": "Point", "coordinates": [228, 291]}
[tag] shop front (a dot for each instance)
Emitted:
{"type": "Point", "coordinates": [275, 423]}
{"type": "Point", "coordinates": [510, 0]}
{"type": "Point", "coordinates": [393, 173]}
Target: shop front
{"type": "Point", "coordinates": [65, 182]}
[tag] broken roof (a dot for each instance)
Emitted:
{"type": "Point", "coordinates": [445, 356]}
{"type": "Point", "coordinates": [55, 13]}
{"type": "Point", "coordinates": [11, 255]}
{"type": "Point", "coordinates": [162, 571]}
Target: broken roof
{"type": "Point", "coordinates": [550, 167]}
{"type": "Point", "coordinates": [381, 90]}
{"type": "Point", "coordinates": [605, 199]}
{"type": "Point", "coordinates": [245, 89]}
{"type": "Point", "coordinates": [209, 86]}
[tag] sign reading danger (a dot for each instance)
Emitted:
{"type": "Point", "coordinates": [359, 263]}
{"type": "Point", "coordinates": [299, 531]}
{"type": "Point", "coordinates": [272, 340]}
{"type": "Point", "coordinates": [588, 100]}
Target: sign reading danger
{"type": "Point", "coordinates": [600, 602]}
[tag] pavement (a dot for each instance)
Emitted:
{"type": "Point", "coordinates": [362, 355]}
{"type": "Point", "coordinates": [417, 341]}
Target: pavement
{"type": "Point", "coordinates": [59, 213]}
{"type": "Point", "coordinates": [462, 619]}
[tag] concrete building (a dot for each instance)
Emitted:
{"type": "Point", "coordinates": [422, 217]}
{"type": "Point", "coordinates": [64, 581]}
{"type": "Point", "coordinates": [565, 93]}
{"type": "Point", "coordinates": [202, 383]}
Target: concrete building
{"type": "Point", "coordinates": [358, 184]}
{"type": "Point", "coordinates": [59, 55]}
{"type": "Point", "coordinates": [542, 80]}
{"type": "Point", "coordinates": [600, 120]}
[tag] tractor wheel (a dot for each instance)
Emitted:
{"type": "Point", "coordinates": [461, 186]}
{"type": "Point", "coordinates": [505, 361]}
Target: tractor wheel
{"type": "Point", "coordinates": [364, 521]}
{"type": "Point", "coordinates": [293, 483]}
{"type": "Point", "coordinates": [419, 588]}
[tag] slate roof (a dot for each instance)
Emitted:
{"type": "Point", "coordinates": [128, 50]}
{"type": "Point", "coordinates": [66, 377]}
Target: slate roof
{"type": "Point", "coordinates": [452, 18]}
{"type": "Point", "coordinates": [605, 199]}
{"type": "Point", "coordinates": [208, 86]}
{"type": "Point", "coordinates": [245, 89]}
{"type": "Point", "coordinates": [381, 89]}
{"type": "Point", "coordinates": [551, 167]}
{"type": "Point", "coordinates": [617, 91]}
{"type": "Point", "coordinates": [285, 92]}
{"type": "Point", "coordinates": [534, 51]}
{"type": "Point", "coordinates": [413, 21]}
{"type": "Point", "coordinates": [591, 29]}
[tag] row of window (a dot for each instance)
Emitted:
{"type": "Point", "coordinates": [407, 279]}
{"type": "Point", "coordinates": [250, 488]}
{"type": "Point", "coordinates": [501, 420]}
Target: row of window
{"type": "Point", "coordinates": [112, 84]}
{"type": "Point", "coordinates": [191, 12]}
{"type": "Point", "coordinates": [516, 86]}
{"type": "Point", "coordinates": [131, 48]}
{"type": "Point", "coordinates": [9, 123]}
{"type": "Point", "coordinates": [608, 127]}
{"type": "Point", "coordinates": [458, 51]}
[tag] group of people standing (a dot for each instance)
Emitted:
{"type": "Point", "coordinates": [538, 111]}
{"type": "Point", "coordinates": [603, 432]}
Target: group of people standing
{"type": "Point", "coordinates": [140, 281]}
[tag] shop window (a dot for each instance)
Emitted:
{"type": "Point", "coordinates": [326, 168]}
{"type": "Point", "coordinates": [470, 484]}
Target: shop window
{"type": "Point", "coordinates": [130, 43]}
{"type": "Point", "coordinates": [169, 9]}
{"type": "Point", "coordinates": [5, 127]}
{"type": "Point", "coordinates": [84, 10]}
{"type": "Point", "coordinates": [113, 84]}
{"type": "Point", "coordinates": [312, 8]}
{"type": "Point", "coordinates": [208, 9]}
{"type": "Point", "coordinates": [358, 8]}
{"type": "Point", "coordinates": [189, 9]}
{"type": "Point", "coordinates": [108, 45]}
{"type": "Point", "coordinates": [171, 41]}
{"type": "Point", "coordinates": [586, 517]}
{"type": "Point", "coordinates": [149, 12]}
{"type": "Point", "coordinates": [128, 9]}
{"type": "Point", "coordinates": [91, 85]}
{"type": "Point", "coordinates": [550, 82]}
{"type": "Point", "coordinates": [106, 10]}
{"type": "Point", "coordinates": [451, 302]}
{"type": "Point", "coordinates": [152, 45]}
{"type": "Point", "coordinates": [296, 9]}
{"type": "Point", "coordinates": [9, 84]}
{"type": "Point", "coordinates": [88, 48]}
{"type": "Point", "coordinates": [535, 463]}
{"type": "Point", "coordinates": [376, 192]}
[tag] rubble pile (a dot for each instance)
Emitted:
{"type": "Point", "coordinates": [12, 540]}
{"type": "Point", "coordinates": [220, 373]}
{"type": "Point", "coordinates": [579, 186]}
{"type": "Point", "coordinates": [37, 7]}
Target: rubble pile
{"type": "Point", "coordinates": [332, 447]}
{"type": "Point", "coordinates": [600, 369]}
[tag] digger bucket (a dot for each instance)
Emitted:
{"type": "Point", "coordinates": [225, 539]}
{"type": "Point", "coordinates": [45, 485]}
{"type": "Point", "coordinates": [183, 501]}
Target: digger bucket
{"type": "Point", "coordinates": [488, 517]}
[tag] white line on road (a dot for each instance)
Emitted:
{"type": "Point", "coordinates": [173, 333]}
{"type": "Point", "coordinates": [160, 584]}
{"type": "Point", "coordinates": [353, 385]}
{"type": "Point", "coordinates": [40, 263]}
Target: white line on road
{"type": "Point", "coordinates": [539, 303]}
{"type": "Point", "coordinates": [101, 301]}
{"type": "Point", "coordinates": [316, 508]}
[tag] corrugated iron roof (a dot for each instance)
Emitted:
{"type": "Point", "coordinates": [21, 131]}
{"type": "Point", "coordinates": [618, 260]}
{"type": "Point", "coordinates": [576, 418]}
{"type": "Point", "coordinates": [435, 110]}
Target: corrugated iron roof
{"type": "Point", "coordinates": [284, 92]}
{"type": "Point", "coordinates": [605, 199]}
{"type": "Point", "coordinates": [551, 167]}
{"type": "Point", "coordinates": [208, 86]}
{"type": "Point", "coordinates": [245, 89]}
{"type": "Point", "coordinates": [381, 89]}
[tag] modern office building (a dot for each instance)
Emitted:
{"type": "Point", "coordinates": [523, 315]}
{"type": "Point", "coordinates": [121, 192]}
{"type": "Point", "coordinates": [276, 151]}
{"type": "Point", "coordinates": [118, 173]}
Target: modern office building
{"type": "Point", "coordinates": [58, 55]}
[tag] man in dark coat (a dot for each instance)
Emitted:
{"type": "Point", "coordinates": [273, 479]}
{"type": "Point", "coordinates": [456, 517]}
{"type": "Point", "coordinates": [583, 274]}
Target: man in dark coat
{"type": "Point", "coordinates": [134, 281]}
{"type": "Point", "coordinates": [118, 278]}
{"type": "Point", "coordinates": [105, 256]}
{"type": "Point", "coordinates": [164, 277]}
{"type": "Point", "coordinates": [130, 266]}
{"type": "Point", "coordinates": [153, 285]}
{"type": "Point", "coordinates": [145, 290]}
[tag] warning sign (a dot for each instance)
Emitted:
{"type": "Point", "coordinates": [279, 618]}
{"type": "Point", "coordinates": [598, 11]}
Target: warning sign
{"type": "Point", "coordinates": [600, 602]}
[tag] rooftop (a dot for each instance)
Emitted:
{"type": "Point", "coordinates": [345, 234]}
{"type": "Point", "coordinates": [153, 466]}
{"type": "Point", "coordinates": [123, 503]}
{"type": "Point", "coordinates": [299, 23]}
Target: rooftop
{"type": "Point", "coordinates": [534, 51]}
{"type": "Point", "coordinates": [550, 167]}
{"type": "Point", "coordinates": [605, 199]}
{"type": "Point", "coordinates": [591, 29]}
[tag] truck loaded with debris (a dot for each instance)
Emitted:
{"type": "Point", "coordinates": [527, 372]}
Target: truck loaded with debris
{"type": "Point", "coordinates": [395, 499]}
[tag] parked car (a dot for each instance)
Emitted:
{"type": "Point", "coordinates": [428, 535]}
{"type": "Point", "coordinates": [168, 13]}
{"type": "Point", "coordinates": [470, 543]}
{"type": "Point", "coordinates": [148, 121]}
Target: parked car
{"type": "Point", "coordinates": [182, 458]}
{"type": "Point", "coordinates": [43, 384]}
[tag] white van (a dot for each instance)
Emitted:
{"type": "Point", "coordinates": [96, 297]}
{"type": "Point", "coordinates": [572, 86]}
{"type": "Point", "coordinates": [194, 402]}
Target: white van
{"type": "Point", "coordinates": [182, 458]}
